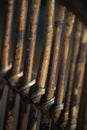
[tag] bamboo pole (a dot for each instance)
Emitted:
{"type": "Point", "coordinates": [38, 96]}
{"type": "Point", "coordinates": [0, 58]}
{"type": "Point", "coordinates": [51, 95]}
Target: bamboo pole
{"type": "Point", "coordinates": [81, 123]}
{"type": "Point", "coordinates": [44, 63]}
{"type": "Point", "coordinates": [78, 82]}
{"type": "Point", "coordinates": [11, 98]}
{"type": "Point", "coordinates": [45, 58]}
{"type": "Point", "coordinates": [76, 45]}
{"type": "Point", "coordinates": [6, 37]}
{"type": "Point", "coordinates": [29, 58]}
{"type": "Point", "coordinates": [4, 59]}
{"type": "Point", "coordinates": [59, 96]}
{"type": "Point", "coordinates": [51, 79]}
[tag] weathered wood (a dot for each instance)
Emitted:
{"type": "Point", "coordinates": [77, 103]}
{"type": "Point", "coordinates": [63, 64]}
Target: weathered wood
{"type": "Point", "coordinates": [28, 63]}
{"type": "Point", "coordinates": [4, 63]}
{"type": "Point", "coordinates": [53, 67]}
{"type": "Point", "coordinates": [11, 98]}
{"type": "Point", "coordinates": [78, 82]}
{"type": "Point", "coordinates": [75, 50]}
{"type": "Point", "coordinates": [60, 106]}
{"type": "Point", "coordinates": [5, 46]}
{"type": "Point", "coordinates": [81, 121]}
{"type": "Point", "coordinates": [45, 58]}
{"type": "Point", "coordinates": [59, 96]}
{"type": "Point", "coordinates": [33, 118]}
{"type": "Point", "coordinates": [42, 73]}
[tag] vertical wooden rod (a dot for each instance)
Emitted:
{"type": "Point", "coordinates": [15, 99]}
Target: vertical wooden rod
{"type": "Point", "coordinates": [75, 51]}
{"type": "Point", "coordinates": [59, 96]}
{"type": "Point", "coordinates": [29, 58]}
{"type": "Point", "coordinates": [11, 98]}
{"type": "Point", "coordinates": [52, 73]}
{"type": "Point", "coordinates": [78, 81]}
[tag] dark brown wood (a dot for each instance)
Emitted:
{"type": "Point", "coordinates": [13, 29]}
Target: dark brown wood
{"type": "Point", "coordinates": [45, 58]}
{"type": "Point", "coordinates": [59, 106]}
{"type": "Point", "coordinates": [53, 67]}
{"type": "Point", "coordinates": [28, 63]}
{"type": "Point", "coordinates": [82, 115]}
{"type": "Point", "coordinates": [4, 63]}
{"type": "Point", "coordinates": [5, 46]}
{"type": "Point", "coordinates": [78, 81]}
{"type": "Point", "coordinates": [31, 41]}
{"type": "Point", "coordinates": [75, 50]}
{"type": "Point", "coordinates": [43, 68]}
{"type": "Point", "coordinates": [11, 98]}
{"type": "Point", "coordinates": [59, 96]}
{"type": "Point", "coordinates": [33, 118]}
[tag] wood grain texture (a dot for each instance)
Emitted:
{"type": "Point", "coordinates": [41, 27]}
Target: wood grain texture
{"type": "Point", "coordinates": [78, 81]}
